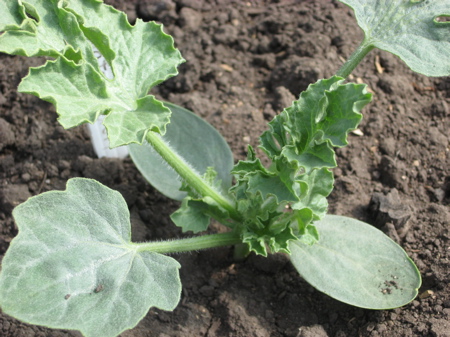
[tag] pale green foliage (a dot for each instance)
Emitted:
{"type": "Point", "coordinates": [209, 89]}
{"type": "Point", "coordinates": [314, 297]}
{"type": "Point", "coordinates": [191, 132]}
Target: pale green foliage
{"type": "Point", "coordinates": [141, 56]}
{"type": "Point", "coordinates": [300, 146]}
{"type": "Point", "coordinates": [408, 29]}
{"type": "Point", "coordinates": [32, 29]}
{"type": "Point", "coordinates": [11, 15]}
{"type": "Point", "coordinates": [357, 264]}
{"type": "Point", "coordinates": [73, 266]}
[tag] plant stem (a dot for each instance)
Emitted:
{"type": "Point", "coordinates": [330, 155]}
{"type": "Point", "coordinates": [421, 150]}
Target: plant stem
{"type": "Point", "coordinates": [191, 244]}
{"type": "Point", "coordinates": [241, 251]}
{"type": "Point", "coordinates": [189, 175]}
{"type": "Point", "coordinates": [363, 49]}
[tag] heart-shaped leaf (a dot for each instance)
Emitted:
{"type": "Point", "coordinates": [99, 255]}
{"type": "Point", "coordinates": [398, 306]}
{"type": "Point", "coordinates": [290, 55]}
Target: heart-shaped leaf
{"type": "Point", "coordinates": [73, 266]}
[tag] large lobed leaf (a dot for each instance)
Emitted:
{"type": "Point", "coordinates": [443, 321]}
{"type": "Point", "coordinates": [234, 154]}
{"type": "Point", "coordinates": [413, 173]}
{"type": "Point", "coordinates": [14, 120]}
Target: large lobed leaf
{"type": "Point", "coordinates": [141, 56]}
{"type": "Point", "coordinates": [409, 29]}
{"type": "Point", "coordinates": [73, 266]}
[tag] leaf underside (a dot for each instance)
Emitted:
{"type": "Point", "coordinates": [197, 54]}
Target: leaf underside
{"type": "Point", "coordinates": [410, 29]}
{"type": "Point", "coordinates": [73, 266]}
{"type": "Point", "coordinates": [356, 263]}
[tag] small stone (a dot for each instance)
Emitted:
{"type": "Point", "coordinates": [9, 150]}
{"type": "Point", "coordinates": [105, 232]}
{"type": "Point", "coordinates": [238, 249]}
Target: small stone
{"type": "Point", "coordinates": [7, 136]}
{"type": "Point", "coordinates": [284, 98]}
{"type": "Point", "coordinates": [312, 331]}
{"type": "Point", "coordinates": [358, 132]}
{"type": "Point", "coordinates": [388, 146]}
{"type": "Point", "coordinates": [426, 294]}
{"type": "Point", "coordinates": [437, 138]}
{"type": "Point", "coordinates": [190, 19]}
{"type": "Point", "coordinates": [13, 195]}
{"type": "Point", "coordinates": [391, 208]}
{"type": "Point", "coordinates": [381, 327]}
{"type": "Point", "coordinates": [153, 9]}
{"type": "Point", "coordinates": [26, 177]}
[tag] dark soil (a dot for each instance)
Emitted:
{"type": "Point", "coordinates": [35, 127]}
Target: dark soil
{"type": "Point", "coordinates": [246, 60]}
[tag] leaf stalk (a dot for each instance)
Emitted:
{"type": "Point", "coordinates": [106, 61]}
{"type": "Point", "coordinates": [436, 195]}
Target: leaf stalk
{"type": "Point", "coordinates": [189, 175]}
{"type": "Point", "coordinates": [363, 49]}
{"type": "Point", "coordinates": [191, 244]}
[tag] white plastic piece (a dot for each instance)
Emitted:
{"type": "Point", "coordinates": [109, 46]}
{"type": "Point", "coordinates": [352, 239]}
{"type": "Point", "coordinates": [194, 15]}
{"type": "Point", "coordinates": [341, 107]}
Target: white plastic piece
{"type": "Point", "coordinates": [97, 131]}
{"type": "Point", "coordinates": [100, 142]}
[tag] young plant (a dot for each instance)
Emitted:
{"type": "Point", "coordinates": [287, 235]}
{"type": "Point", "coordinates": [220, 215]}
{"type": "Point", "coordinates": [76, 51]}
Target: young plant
{"type": "Point", "coordinates": [73, 265]}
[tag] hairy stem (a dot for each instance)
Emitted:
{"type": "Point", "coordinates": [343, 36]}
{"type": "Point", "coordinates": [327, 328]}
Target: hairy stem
{"type": "Point", "coordinates": [363, 49]}
{"type": "Point", "coordinates": [191, 244]}
{"type": "Point", "coordinates": [189, 175]}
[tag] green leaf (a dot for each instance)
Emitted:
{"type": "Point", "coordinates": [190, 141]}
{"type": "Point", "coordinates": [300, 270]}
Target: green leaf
{"type": "Point", "coordinates": [321, 118]}
{"type": "Point", "coordinates": [12, 15]}
{"type": "Point", "coordinates": [195, 214]}
{"type": "Point", "coordinates": [303, 227]}
{"type": "Point", "coordinates": [78, 92]}
{"type": "Point", "coordinates": [319, 185]}
{"type": "Point", "coordinates": [35, 34]}
{"type": "Point", "coordinates": [141, 56]}
{"type": "Point", "coordinates": [196, 141]}
{"type": "Point", "coordinates": [196, 211]}
{"type": "Point", "coordinates": [300, 145]}
{"type": "Point", "coordinates": [73, 266]}
{"type": "Point", "coordinates": [356, 263]}
{"type": "Point", "coordinates": [408, 29]}
{"type": "Point", "coordinates": [271, 185]}
{"type": "Point", "coordinates": [278, 181]}
{"type": "Point", "coordinates": [344, 104]}
{"type": "Point", "coordinates": [259, 240]}
{"type": "Point", "coordinates": [192, 216]}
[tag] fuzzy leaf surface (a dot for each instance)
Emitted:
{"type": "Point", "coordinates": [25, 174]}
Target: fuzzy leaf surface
{"type": "Point", "coordinates": [12, 15]}
{"type": "Point", "coordinates": [141, 56]}
{"type": "Point", "coordinates": [32, 28]}
{"type": "Point", "coordinates": [73, 266]}
{"type": "Point", "coordinates": [356, 263]}
{"type": "Point", "coordinates": [409, 29]}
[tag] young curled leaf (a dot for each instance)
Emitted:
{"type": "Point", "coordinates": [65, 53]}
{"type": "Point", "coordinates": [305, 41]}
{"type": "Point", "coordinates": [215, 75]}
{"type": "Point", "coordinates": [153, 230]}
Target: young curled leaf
{"type": "Point", "coordinates": [264, 241]}
{"type": "Point", "coordinates": [300, 145]}
{"type": "Point", "coordinates": [321, 118]}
